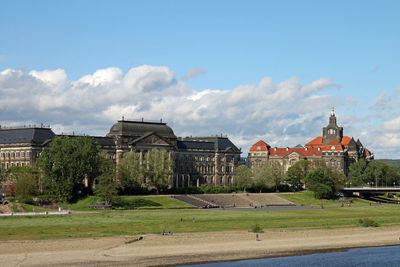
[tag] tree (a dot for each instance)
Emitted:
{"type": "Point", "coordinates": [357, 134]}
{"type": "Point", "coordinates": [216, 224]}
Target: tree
{"type": "Point", "coordinates": [261, 178]}
{"type": "Point", "coordinates": [357, 173]}
{"type": "Point", "coordinates": [3, 176]}
{"type": "Point", "coordinates": [277, 174]}
{"type": "Point", "coordinates": [373, 173]}
{"type": "Point", "coordinates": [153, 171]}
{"type": "Point", "coordinates": [242, 176]}
{"type": "Point", "coordinates": [270, 175]}
{"type": "Point", "coordinates": [131, 172]}
{"type": "Point", "coordinates": [296, 174]}
{"type": "Point", "coordinates": [319, 181]}
{"type": "Point", "coordinates": [26, 186]}
{"type": "Point", "coordinates": [157, 169]}
{"type": "Point", "coordinates": [69, 166]}
{"type": "Point", "coordinates": [106, 186]}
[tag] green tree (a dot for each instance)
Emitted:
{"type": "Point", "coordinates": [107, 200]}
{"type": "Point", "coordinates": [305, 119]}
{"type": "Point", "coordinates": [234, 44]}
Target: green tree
{"type": "Point", "coordinates": [157, 169]}
{"type": "Point", "coordinates": [106, 186]}
{"type": "Point", "coordinates": [357, 173]}
{"type": "Point", "coordinates": [277, 174]}
{"type": "Point", "coordinates": [242, 177]}
{"type": "Point", "coordinates": [296, 174]}
{"type": "Point", "coordinates": [69, 166]}
{"type": "Point", "coordinates": [261, 177]}
{"type": "Point", "coordinates": [26, 186]}
{"type": "Point", "coordinates": [131, 172]}
{"type": "Point", "coordinates": [268, 176]}
{"type": "Point", "coordinates": [320, 183]}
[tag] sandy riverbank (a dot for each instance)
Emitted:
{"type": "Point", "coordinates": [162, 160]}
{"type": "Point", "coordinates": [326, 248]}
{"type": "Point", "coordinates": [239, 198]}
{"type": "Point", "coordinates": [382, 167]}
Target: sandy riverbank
{"type": "Point", "coordinates": [184, 248]}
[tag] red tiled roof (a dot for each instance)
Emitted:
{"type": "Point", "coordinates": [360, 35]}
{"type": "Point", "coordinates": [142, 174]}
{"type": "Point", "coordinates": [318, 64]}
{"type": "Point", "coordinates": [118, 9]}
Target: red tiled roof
{"type": "Point", "coordinates": [260, 146]}
{"type": "Point", "coordinates": [346, 140]}
{"type": "Point", "coordinates": [315, 142]}
{"type": "Point", "coordinates": [367, 152]}
{"type": "Point", "coordinates": [334, 143]}
{"type": "Point", "coordinates": [305, 152]}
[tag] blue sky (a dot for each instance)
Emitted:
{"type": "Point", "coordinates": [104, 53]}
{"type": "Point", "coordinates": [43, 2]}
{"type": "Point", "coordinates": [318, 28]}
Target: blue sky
{"type": "Point", "coordinates": [224, 45]}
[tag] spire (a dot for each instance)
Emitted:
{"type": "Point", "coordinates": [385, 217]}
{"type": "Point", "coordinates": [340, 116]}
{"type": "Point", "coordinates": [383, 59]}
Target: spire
{"type": "Point", "coordinates": [333, 111]}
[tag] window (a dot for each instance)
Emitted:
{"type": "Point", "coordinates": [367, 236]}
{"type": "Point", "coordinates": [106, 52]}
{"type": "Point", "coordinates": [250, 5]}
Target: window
{"type": "Point", "coordinates": [17, 154]}
{"type": "Point", "coordinates": [252, 164]}
{"type": "Point", "coordinates": [23, 154]}
{"type": "Point", "coordinates": [258, 148]}
{"type": "Point", "coordinates": [338, 163]}
{"type": "Point", "coordinates": [332, 163]}
{"type": "Point", "coordinates": [292, 162]}
{"type": "Point", "coordinates": [327, 163]}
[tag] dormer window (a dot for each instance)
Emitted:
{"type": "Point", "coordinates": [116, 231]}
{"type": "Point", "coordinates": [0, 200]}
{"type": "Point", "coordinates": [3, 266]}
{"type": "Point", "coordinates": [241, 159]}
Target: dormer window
{"type": "Point", "coordinates": [258, 148]}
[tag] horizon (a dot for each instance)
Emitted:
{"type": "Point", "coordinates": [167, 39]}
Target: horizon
{"type": "Point", "coordinates": [256, 71]}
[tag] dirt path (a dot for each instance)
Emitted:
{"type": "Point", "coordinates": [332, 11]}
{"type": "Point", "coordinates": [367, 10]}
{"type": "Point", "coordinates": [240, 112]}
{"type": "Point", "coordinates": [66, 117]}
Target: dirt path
{"type": "Point", "coordinates": [155, 250]}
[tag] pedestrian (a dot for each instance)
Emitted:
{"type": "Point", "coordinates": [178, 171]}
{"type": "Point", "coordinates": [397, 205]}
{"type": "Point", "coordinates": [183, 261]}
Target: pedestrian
{"type": "Point", "coordinates": [257, 238]}
{"type": "Point", "coordinates": [193, 219]}
{"type": "Point", "coordinates": [181, 219]}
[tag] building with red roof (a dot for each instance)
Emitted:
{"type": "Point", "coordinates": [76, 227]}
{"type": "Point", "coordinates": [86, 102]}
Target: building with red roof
{"type": "Point", "coordinates": [332, 149]}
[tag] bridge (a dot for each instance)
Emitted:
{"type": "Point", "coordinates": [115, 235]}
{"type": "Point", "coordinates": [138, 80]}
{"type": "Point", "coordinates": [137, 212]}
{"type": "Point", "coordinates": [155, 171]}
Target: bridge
{"type": "Point", "coordinates": [367, 190]}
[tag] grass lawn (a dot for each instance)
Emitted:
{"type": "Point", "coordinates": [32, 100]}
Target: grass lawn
{"type": "Point", "coordinates": [154, 221]}
{"type": "Point", "coordinates": [306, 198]}
{"type": "Point", "coordinates": [130, 203]}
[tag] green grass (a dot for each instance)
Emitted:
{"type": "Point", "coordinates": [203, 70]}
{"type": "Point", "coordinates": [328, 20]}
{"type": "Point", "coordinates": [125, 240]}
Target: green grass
{"type": "Point", "coordinates": [141, 222]}
{"type": "Point", "coordinates": [130, 203]}
{"type": "Point", "coordinates": [306, 198]}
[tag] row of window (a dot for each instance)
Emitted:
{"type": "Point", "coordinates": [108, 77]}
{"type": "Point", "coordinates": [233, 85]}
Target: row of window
{"type": "Point", "coordinates": [18, 164]}
{"type": "Point", "coordinates": [206, 168]}
{"type": "Point", "coordinates": [207, 179]}
{"type": "Point", "coordinates": [13, 155]}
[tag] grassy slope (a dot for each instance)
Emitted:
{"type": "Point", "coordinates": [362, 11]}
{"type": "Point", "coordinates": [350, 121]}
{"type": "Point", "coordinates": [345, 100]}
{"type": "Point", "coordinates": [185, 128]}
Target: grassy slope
{"type": "Point", "coordinates": [130, 202]}
{"type": "Point", "coordinates": [139, 222]}
{"type": "Point", "coordinates": [306, 198]}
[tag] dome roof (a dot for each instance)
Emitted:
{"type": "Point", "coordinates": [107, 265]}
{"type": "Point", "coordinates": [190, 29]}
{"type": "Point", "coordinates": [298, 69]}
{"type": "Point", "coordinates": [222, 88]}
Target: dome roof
{"type": "Point", "coordinates": [139, 128]}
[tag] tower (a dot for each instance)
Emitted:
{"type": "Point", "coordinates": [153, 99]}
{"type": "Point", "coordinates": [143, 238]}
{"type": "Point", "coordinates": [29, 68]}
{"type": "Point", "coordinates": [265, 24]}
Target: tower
{"type": "Point", "coordinates": [332, 131]}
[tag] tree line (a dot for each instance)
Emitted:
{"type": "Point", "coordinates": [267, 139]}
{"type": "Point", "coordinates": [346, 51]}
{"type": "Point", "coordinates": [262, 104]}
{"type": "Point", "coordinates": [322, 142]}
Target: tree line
{"type": "Point", "coordinates": [73, 167]}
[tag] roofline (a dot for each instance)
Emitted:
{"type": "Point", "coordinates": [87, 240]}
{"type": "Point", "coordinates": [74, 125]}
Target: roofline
{"type": "Point", "coordinates": [142, 121]}
{"type": "Point", "coordinates": [24, 128]}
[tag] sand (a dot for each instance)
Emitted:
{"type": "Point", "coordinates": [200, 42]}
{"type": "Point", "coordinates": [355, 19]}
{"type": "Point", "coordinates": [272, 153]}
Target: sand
{"type": "Point", "coordinates": [184, 248]}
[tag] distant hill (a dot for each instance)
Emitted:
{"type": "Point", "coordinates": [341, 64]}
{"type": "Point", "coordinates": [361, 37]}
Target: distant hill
{"type": "Point", "coordinates": [393, 162]}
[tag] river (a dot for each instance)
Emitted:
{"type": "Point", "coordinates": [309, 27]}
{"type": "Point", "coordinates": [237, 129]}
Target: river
{"type": "Point", "coordinates": [373, 256]}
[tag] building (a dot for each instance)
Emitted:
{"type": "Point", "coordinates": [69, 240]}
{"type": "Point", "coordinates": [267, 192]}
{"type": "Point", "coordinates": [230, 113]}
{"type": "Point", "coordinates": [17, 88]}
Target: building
{"type": "Point", "coordinates": [332, 149]}
{"type": "Point", "coordinates": [22, 146]}
{"type": "Point", "coordinates": [197, 160]}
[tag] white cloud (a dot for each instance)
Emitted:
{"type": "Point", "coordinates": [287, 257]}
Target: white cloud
{"type": "Point", "coordinates": [282, 114]}
{"type": "Point", "coordinates": [194, 73]}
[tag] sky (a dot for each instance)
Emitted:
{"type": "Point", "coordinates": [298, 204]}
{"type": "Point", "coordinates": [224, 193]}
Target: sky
{"type": "Point", "coordinates": [253, 70]}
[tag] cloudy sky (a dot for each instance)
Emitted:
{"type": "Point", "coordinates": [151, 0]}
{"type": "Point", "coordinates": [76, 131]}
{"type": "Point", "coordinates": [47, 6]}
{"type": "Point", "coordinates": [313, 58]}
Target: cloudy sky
{"type": "Point", "coordinates": [253, 70]}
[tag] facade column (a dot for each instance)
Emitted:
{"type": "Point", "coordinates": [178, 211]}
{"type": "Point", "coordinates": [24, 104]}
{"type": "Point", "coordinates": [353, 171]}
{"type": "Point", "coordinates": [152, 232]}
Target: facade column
{"type": "Point", "coordinates": [216, 170]}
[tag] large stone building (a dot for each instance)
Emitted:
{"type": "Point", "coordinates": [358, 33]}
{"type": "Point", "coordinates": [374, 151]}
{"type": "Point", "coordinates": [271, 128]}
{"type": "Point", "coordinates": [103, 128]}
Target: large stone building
{"type": "Point", "coordinates": [332, 149]}
{"type": "Point", "coordinates": [197, 160]}
{"type": "Point", "coordinates": [22, 146]}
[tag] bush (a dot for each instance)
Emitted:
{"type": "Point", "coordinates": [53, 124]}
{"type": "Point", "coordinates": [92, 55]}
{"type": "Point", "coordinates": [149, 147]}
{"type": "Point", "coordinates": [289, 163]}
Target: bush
{"type": "Point", "coordinates": [256, 229]}
{"type": "Point", "coordinates": [368, 222]}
